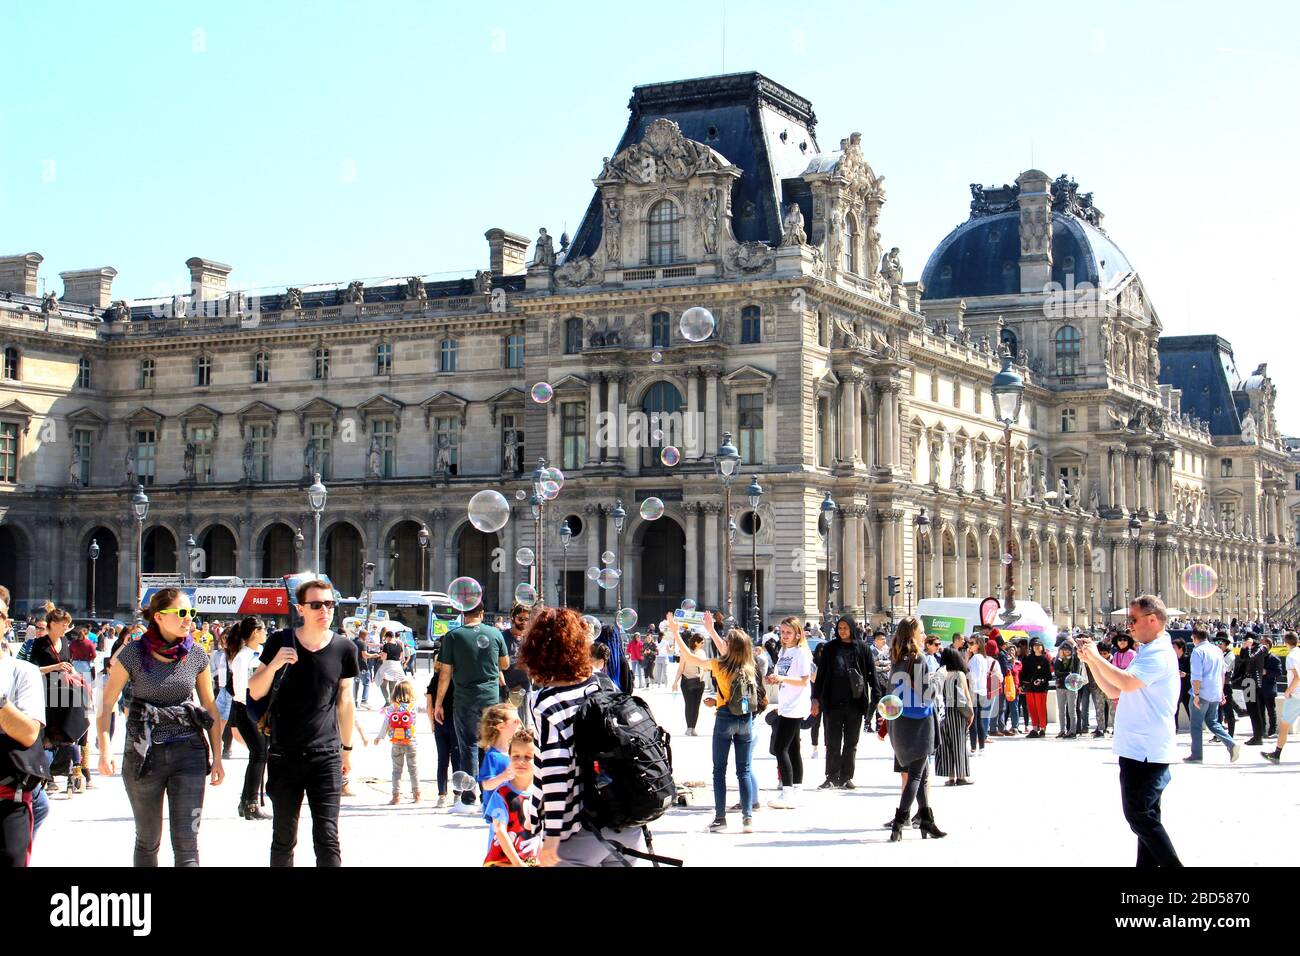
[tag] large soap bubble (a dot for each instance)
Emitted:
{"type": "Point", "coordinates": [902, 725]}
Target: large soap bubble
{"type": "Point", "coordinates": [542, 393]}
{"type": "Point", "coordinates": [524, 557]}
{"type": "Point", "coordinates": [1075, 682]}
{"type": "Point", "coordinates": [607, 557]}
{"type": "Point", "coordinates": [489, 511]}
{"type": "Point", "coordinates": [593, 572]}
{"type": "Point", "coordinates": [1200, 581]}
{"type": "Point", "coordinates": [697, 324]}
{"type": "Point", "coordinates": [526, 594]}
{"type": "Point", "coordinates": [593, 625]}
{"type": "Point", "coordinates": [890, 707]}
{"type": "Point", "coordinates": [652, 509]}
{"type": "Point", "coordinates": [670, 456]}
{"type": "Point", "coordinates": [688, 604]}
{"type": "Point", "coordinates": [609, 578]}
{"type": "Point", "coordinates": [626, 619]}
{"type": "Point", "coordinates": [465, 593]}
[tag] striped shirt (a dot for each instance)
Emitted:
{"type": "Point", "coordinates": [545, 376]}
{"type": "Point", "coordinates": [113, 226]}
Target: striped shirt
{"type": "Point", "coordinates": [552, 710]}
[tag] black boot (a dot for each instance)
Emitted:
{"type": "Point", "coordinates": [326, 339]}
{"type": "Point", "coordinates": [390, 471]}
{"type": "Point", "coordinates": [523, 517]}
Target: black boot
{"type": "Point", "coordinates": [896, 828]}
{"type": "Point", "coordinates": [928, 829]}
{"type": "Point", "coordinates": [251, 811]}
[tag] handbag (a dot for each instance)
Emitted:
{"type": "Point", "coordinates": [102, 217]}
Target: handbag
{"type": "Point", "coordinates": [857, 682]}
{"type": "Point", "coordinates": [1009, 688]}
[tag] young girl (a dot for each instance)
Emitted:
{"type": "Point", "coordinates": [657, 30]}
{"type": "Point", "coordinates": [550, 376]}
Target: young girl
{"type": "Point", "coordinates": [792, 678]}
{"type": "Point", "coordinates": [513, 809]}
{"type": "Point", "coordinates": [242, 645]}
{"type": "Point", "coordinates": [496, 729]}
{"type": "Point", "coordinates": [399, 726]}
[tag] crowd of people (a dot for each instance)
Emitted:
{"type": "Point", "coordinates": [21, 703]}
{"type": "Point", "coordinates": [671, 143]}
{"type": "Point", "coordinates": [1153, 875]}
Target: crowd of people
{"type": "Point", "coordinates": [503, 703]}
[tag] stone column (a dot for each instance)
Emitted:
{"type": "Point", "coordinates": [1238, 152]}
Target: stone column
{"type": "Point", "coordinates": [611, 391]}
{"type": "Point", "coordinates": [595, 454]}
{"type": "Point", "coordinates": [962, 584]}
{"type": "Point", "coordinates": [692, 549]}
{"type": "Point", "coordinates": [245, 566]}
{"type": "Point", "coordinates": [608, 598]}
{"type": "Point", "coordinates": [713, 555]}
{"type": "Point", "coordinates": [712, 439]}
{"type": "Point", "coordinates": [846, 420]}
{"type": "Point", "coordinates": [591, 530]}
{"type": "Point", "coordinates": [870, 439]}
{"type": "Point", "coordinates": [849, 576]}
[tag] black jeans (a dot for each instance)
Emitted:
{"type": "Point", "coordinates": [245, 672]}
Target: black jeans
{"type": "Point", "coordinates": [317, 774]}
{"type": "Point", "coordinates": [692, 694]}
{"type": "Point", "coordinates": [444, 737]}
{"type": "Point", "coordinates": [1255, 708]}
{"type": "Point", "coordinates": [1140, 786]}
{"type": "Point", "coordinates": [15, 832]}
{"type": "Point", "coordinates": [786, 744]}
{"type": "Point", "coordinates": [257, 744]}
{"type": "Point", "coordinates": [1268, 705]}
{"type": "Point", "coordinates": [918, 783]}
{"type": "Point", "coordinates": [843, 728]}
{"type": "Point", "coordinates": [179, 772]}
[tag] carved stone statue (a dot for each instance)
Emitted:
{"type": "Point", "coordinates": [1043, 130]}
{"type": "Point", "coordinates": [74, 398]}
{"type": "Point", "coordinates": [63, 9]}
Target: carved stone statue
{"type": "Point", "coordinates": [1247, 527]}
{"type": "Point", "coordinates": [1249, 431]}
{"type": "Point", "coordinates": [545, 254]}
{"type": "Point", "coordinates": [414, 290]}
{"type": "Point", "coordinates": [373, 458]}
{"type": "Point", "coordinates": [1094, 498]}
{"type": "Point", "coordinates": [792, 231]}
{"type": "Point", "coordinates": [49, 303]}
{"type": "Point", "coordinates": [250, 468]}
{"type": "Point", "coordinates": [999, 473]}
{"type": "Point", "coordinates": [1040, 481]}
{"type": "Point", "coordinates": [190, 453]}
{"type": "Point", "coordinates": [442, 461]}
{"type": "Point", "coordinates": [356, 293]}
{"type": "Point", "coordinates": [873, 241]}
{"type": "Point", "coordinates": [1062, 492]}
{"type": "Point", "coordinates": [578, 272]}
{"type": "Point", "coordinates": [74, 467]}
{"type": "Point", "coordinates": [958, 468]}
{"type": "Point", "coordinates": [1153, 362]}
{"type": "Point", "coordinates": [936, 457]}
{"type": "Point", "coordinates": [292, 299]}
{"type": "Point", "coordinates": [835, 239]}
{"type": "Point", "coordinates": [119, 311]}
{"type": "Point", "coordinates": [510, 461]}
{"type": "Point", "coordinates": [613, 231]}
{"type": "Point", "coordinates": [483, 281]}
{"type": "Point", "coordinates": [707, 210]}
{"type": "Point", "coordinates": [309, 459]}
{"type": "Point", "coordinates": [980, 454]}
{"type": "Point", "coordinates": [128, 465]}
{"type": "Point", "coordinates": [752, 256]}
{"type": "Point", "coordinates": [891, 268]}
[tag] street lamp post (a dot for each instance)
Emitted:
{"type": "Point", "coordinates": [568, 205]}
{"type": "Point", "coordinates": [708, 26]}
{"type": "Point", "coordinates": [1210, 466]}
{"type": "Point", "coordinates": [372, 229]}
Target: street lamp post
{"type": "Point", "coordinates": [422, 536]}
{"type": "Point", "coordinates": [1134, 534]}
{"type": "Point", "coordinates": [973, 590]}
{"type": "Point", "coordinates": [140, 507]}
{"type": "Point", "coordinates": [908, 588]}
{"type": "Point", "coordinates": [726, 464]}
{"type": "Point", "coordinates": [938, 590]}
{"type": "Point", "coordinates": [1052, 609]}
{"type": "Point", "coordinates": [94, 558]}
{"type": "Point", "coordinates": [1008, 392]}
{"type": "Point", "coordinates": [316, 498]}
{"type": "Point", "coordinates": [1092, 607]}
{"type": "Point", "coordinates": [1074, 606]}
{"type": "Point", "coordinates": [828, 513]}
{"type": "Point", "coordinates": [535, 506]}
{"type": "Point", "coordinates": [539, 518]}
{"type": "Point", "coordinates": [755, 493]}
{"type": "Point", "coordinates": [922, 524]}
{"type": "Point", "coordinates": [619, 516]}
{"type": "Point", "coordinates": [862, 587]}
{"type": "Point", "coordinates": [392, 563]}
{"type": "Point", "coordinates": [566, 535]}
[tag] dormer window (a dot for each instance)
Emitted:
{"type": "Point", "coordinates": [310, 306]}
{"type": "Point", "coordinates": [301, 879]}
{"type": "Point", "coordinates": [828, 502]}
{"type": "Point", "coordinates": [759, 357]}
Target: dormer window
{"type": "Point", "coordinates": [664, 233]}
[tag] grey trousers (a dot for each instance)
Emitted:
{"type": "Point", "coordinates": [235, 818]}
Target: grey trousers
{"type": "Point", "coordinates": [1067, 710]}
{"type": "Point", "coordinates": [404, 754]}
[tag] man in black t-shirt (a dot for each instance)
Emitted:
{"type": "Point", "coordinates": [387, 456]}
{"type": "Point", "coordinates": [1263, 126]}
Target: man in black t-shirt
{"type": "Point", "coordinates": [309, 678]}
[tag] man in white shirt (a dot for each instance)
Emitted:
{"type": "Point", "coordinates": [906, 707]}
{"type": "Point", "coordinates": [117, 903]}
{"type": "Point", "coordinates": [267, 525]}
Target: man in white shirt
{"type": "Point", "coordinates": [1290, 698]}
{"type": "Point", "coordinates": [1148, 694]}
{"type": "Point", "coordinates": [22, 713]}
{"type": "Point", "coordinates": [1207, 694]}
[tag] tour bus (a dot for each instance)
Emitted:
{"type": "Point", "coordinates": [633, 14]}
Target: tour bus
{"type": "Point", "coordinates": [230, 598]}
{"type": "Point", "coordinates": [429, 614]}
{"type": "Point", "coordinates": [945, 618]}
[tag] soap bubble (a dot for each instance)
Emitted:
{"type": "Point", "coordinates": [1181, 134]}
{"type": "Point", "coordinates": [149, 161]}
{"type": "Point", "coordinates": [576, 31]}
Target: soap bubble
{"type": "Point", "coordinates": [1006, 559]}
{"type": "Point", "coordinates": [688, 604]}
{"type": "Point", "coordinates": [542, 393]}
{"type": "Point", "coordinates": [483, 642]}
{"type": "Point", "coordinates": [652, 509]}
{"type": "Point", "coordinates": [553, 474]}
{"type": "Point", "coordinates": [656, 357]}
{"type": "Point", "coordinates": [657, 434]}
{"type": "Point", "coordinates": [608, 578]}
{"type": "Point", "coordinates": [890, 707]}
{"type": "Point", "coordinates": [526, 594]}
{"type": "Point", "coordinates": [593, 625]}
{"type": "Point", "coordinates": [670, 456]}
{"type": "Point", "coordinates": [697, 324]}
{"type": "Point", "coordinates": [520, 495]}
{"type": "Point", "coordinates": [524, 557]}
{"type": "Point", "coordinates": [593, 572]}
{"type": "Point", "coordinates": [550, 490]}
{"type": "Point", "coordinates": [1075, 682]}
{"type": "Point", "coordinates": [465, 593]}
{"type": "Point", "coordinates": [489, 511]}
{"type": "Point", "coordinates": [460, 780]}
{"type": "Point", "coordinates": [607, 557]}
{"type": "Point", "coordinates": [1200, 581]}
{"type": "Point", "coordinates": [627, 619]}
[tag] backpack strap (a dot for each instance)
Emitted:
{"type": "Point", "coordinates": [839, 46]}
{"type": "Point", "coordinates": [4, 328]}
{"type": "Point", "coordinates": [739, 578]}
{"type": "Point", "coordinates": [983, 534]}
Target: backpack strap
{"type": "Point", "coordinates": [624, 852]}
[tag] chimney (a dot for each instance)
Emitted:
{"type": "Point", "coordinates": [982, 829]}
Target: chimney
{"type": "Point", "coordinates": [508, 252]}
{"type": "Point", "coordinates": [1035, 230]}
{"type": "Point", "coordinates": [18, 273]}
{"type": "Point", "coordinates": [207, 278]}
{"type": "Point", "coordinates": [92, 287]}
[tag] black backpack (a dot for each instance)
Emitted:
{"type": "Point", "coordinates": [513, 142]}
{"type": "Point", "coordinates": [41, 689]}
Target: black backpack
{"type": "Point", "coordinates": [625, 763]}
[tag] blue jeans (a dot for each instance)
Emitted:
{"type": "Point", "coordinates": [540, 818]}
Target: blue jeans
{"type": "Point", "coordinates": [1011, 714]}
{"type": "Point", "coordinates": [361, 686]}
{"type": "Point", "coordinates": [727, 727]}
{"type": "Point", "coordinates": [1140, 786]}
{"type": "Point", "coordinates": [465, 718]}
{"type": "Point", "coordinates": [1207, 716]}
{"type": "Point", "coordinates": [179, 772]}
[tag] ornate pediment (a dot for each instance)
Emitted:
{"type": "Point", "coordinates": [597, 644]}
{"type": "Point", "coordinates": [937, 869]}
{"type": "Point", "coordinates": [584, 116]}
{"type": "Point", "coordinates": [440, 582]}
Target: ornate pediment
{"type": "Point", "coordinates": [379, 407]}
{"type": "Point", "coordinates": [663, 154]}
{"type": "Point", "coordinates": [17, 410]}
{"type": "Point", "coordinates": [87, 418]}
{"type": "Point", "coordinates": [142, 418]}
{"type": "Point", "coordinates": [317, 408]}
{"type": "Point", "coordinates": [443, 404]}
{"type": "Point", "coordinates": [571, 383]}
{"type": "Point", "coordinates": [201, 415]}
{"type": "Point", "coordinates": [507, 398]}
{"type": "Point", "coordinates": [258, 412]}
{"type": "Point", "coordinates": [748, 377]}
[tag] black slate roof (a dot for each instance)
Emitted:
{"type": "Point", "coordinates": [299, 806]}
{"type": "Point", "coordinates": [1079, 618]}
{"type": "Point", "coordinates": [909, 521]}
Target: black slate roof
{"type": "Point", "coordinates": [1202, 366]}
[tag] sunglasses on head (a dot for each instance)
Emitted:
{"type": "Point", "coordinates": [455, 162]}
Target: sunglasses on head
{"type": "Point", "coordinates": [317, 605]}
{"type": "Point", "coordinates": [181, 612]}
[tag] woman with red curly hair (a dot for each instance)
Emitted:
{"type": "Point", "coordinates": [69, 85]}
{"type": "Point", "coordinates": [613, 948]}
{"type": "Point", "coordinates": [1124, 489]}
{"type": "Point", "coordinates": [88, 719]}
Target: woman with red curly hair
{"type": "Point", "coordinates": [555, 650]}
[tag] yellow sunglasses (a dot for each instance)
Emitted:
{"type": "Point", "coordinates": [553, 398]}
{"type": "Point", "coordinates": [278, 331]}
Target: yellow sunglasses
{"type": "Point", "coordinates": [181, 612]}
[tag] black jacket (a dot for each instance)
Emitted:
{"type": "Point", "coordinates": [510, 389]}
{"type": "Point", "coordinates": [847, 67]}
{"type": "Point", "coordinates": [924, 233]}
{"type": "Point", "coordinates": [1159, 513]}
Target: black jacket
{"type": "Point", "coordinates": [859, 658]}
{"type": "Point", "coordinates": [1035, 672]}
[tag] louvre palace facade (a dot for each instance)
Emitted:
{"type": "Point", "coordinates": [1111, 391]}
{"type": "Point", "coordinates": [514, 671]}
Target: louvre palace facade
{"type": "Point", "coordinates": [832, 372]}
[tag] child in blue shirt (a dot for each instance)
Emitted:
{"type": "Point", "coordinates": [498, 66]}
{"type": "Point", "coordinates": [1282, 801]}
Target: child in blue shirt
{"type": "Point", "coordinates": [495, 731]}
{"type": "Point", "coordinates": [514, 809]}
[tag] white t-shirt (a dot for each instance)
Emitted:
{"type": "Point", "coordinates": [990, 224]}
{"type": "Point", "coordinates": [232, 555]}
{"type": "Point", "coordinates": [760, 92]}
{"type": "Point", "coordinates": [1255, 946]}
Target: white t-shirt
{"type": "Point", "coordinates": [241, 668]}
{"type": "Point", "coordinates": [1292, 666]}
{"type": "Point", "coordinates": [218, 665]}
{"type": "Point", "coordinates": [979, 674]}
{"type": "Point", "coordinates": [21, 682]}
{"type": "Point", "coordinates": [794, 701]}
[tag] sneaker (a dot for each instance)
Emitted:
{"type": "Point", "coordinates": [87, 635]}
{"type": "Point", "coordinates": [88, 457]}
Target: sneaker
{"type": "Point", "coordinates": [747, 825]}
{"type": "Point", "coordinates": [848, 785]}
{"type": "Point", "coordinates": [1192, 760]}
{"type": "Point", "coordinates": [1236, 752]}
{"type": "Point", "coordinates": [442, 800]}
{"type": "Point", "coordinates": [781, 801]}
{"type": "Point", "coordinates": [1099, 733]}
{"type": "Point", "coordinates": [717, 826]}
{"type": "Point", "coordinates": [827, 784]}
{"type": "Point", "coordinates": [816, 753]}
{"type": "Point", "coordinates": [1272, 756]}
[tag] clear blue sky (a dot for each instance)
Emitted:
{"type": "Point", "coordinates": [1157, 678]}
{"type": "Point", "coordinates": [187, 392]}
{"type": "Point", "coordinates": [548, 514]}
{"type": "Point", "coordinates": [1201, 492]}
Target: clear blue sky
{"type": "Point", "coordinates": [330, 141]}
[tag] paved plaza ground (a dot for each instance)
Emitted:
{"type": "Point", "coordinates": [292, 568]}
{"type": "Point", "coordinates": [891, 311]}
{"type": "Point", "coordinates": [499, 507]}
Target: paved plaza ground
{"type": "Point", "coordinates": [1035, 803]}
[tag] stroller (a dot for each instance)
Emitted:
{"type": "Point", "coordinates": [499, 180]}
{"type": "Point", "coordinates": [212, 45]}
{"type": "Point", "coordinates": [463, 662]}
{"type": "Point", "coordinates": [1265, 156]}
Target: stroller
{"type": "Point", "coordinates": [67, 726]}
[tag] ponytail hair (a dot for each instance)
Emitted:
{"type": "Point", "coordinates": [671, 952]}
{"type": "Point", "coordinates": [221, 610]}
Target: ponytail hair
{"type": "Point", "coordinates": [238, 634]}
{"type": "Point", "coordinates": [53, 614]}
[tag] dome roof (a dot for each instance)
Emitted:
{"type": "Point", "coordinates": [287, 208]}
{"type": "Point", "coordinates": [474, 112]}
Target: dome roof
{"type": "Point", "coordinates": [982, 257]}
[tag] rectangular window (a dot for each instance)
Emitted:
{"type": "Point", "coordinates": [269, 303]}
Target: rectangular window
{"type": "Point", "coordinates": [572, 336]}
{"type": "Point", "coordinates": [751, 325]}
{"type": "Point", "coordinates": [514, 351]}
{"type": "Point", "coordinates": [322, 437]}
{"type": "Point", "coordinates": [11, 363]}
{"type": "Point", "coordinates": [262, 367]}
{"type": "Point", "coordinates": [750, 420]}
{"type": "Point", "coordinates": [81, 442]}
{"type": "Point", "coordinates": [1071, 475]}
{"type": "Point", "coordinates": [83, 373]}
{"type": "Point", "coordinates": [321, 364]}
{"type": "Point", "coordinates": [201, 436]}
{"type": "Point", "coordinates": [384, 358]}
{"type": "Point", "coordinates": [385, 431]}
{"type": "Point", "coordinates": [1225, 465]}
{"type": "Point", "coordinates": [934, 387]}
{"type": "Point", "coordinates": [203, 371]}
{"type": "Point", "coordinates": [1297, 486]}
{"type": "Point", "coordinates": [8, 451]}
{"type": "Point", "coordinates": [147, 369]}
{"type": "Point", "coordinates": [1069, 420]}
{"type": "Point", "coordinates": [660, 330]}
{"type": "Point", "coordinates": [146, 448]}
{"type": "Point", "coordinates": [449, 428]}
{"type": "Point", "coordinates": [573, 434]}
{"type": "Point", "coordinates": [262, 452]}
{"type": "Point", "coordinates": [447, 356]}
{"type": "Point", "coordinates": [956, 393]}
{"type": "Point", "coordinates": [823, 434]}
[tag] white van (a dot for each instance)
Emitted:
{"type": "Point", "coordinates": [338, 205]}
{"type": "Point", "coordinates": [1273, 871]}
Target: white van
{"type": "Point", "coordinates": [945, 618]}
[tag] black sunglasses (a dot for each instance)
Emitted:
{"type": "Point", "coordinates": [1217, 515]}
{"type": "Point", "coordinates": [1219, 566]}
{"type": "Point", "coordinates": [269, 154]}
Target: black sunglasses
{"type": "Point", "coordinates": [317, 605]}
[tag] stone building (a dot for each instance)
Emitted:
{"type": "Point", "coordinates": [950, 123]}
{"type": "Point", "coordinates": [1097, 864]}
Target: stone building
{"type": "Point", "coordinates": [831, 373]}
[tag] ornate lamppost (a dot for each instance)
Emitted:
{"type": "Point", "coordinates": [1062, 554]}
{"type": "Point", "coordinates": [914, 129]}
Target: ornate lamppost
{"type": "Point", "coordinates": [1008, 393]}
{"type": "Point", "coordinates": [316, 495]}
{"type": "Point", "coordinates": [94, 558]}
{"type": "Point", "coordinates": [828, 514]}
{"type": "Point", "coordinates": [755, 493]}
{"type": "Point", "coordinates": [726, 464]}
{"type": "Point", "coordinates": [140, 508]}
{"type": "Point", "coordinates": [422, 536]}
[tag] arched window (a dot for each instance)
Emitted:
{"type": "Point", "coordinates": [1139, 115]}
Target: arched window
{"type": "Point", "coordinates": [1010, 342]}
{"type": "Point", "coordinates": [660, 330]}
{"type": "Point", "coordinates": [664, 235]}
{"type": "Point", "coordinates": [662, 407]}
{"type": "Point", "coordinates": [1067, 350]}
{"type": "Point", "coordinates": [13, 363]}
{"type": "Point", "coordinates": [447, 356]}
{"type": "Point", "coordinates": [850, 243]}
{"type": "Point", "coordinates": [572, 336]}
